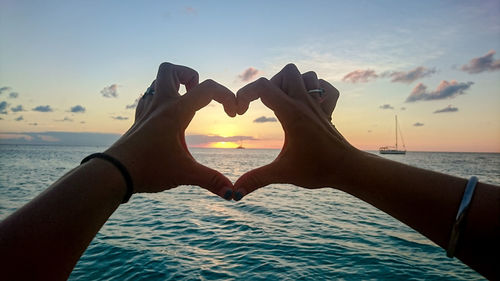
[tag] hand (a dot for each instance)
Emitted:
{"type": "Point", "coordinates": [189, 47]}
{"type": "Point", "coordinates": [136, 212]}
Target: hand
{"type": "Point", "coordinates": [154, 149]}
{"type": "Point", "coordinates": [312, 147]}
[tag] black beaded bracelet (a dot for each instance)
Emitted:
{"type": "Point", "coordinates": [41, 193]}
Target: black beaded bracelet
{"type": "Point", "coordinates": [120, 167]}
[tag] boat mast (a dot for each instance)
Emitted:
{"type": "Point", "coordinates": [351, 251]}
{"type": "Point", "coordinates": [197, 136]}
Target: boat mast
{"type": "Point", "coordinates": [396, 132]}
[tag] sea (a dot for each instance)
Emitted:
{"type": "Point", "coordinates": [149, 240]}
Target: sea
{"type": "Point", "coordinates": [280, 232]}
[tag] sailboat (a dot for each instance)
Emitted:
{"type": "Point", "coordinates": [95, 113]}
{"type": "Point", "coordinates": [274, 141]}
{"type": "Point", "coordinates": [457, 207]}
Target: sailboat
{"type": "Point", "coordinates": [394, 149]}
{"type": "Point", "coordinates": [241, 145]}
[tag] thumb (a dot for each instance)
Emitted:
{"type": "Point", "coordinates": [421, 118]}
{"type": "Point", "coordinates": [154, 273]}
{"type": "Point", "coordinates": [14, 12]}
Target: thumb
{"type": "Point", "coordinates": [257, 178]}
{"type": "Point", "coordinates": [211, 180]}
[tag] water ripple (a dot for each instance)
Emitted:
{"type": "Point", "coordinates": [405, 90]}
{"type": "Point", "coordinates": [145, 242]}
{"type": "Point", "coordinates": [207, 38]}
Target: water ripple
{"type": "Point", "coordinates": [280, 232]}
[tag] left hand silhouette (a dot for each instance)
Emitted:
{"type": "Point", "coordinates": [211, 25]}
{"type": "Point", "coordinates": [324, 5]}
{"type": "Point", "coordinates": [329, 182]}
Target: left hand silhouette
{"type": "Point", "coordinates": [154, 148]}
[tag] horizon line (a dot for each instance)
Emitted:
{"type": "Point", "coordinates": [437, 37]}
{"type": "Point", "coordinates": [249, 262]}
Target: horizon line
{"type": "Point", "coordinates": [252, 148]}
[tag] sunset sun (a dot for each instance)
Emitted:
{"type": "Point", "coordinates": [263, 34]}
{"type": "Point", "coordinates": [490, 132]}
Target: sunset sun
{"type": "Point", "coordinates": [224, 144]}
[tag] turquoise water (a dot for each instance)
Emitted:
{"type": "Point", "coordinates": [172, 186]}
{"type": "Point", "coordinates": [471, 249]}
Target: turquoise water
{"type": "Point", "coordinates": [280, 232]}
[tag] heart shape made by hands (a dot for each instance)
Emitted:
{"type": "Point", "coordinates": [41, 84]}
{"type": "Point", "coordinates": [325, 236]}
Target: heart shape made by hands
{"type": "Point", "coordinates": [155, 150]}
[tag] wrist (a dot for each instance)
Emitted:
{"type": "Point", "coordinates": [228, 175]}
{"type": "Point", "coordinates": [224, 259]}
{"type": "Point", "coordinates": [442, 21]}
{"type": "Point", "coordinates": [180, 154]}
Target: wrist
{"type": "Point", "coordinates": [127, 156]}
{"type": "Point", "coordinates": [117, 165]}
{"type": "Point", "coordinates": [99, 173]}
{"type": "Point", "coordinates": [350, 169]}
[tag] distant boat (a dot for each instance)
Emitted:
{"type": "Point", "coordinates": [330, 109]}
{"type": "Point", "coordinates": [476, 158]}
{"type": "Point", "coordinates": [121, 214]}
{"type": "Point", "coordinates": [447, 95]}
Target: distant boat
{"type": "Point", "coordinates": [241, 145]}
{"type": "Point", "coordinates": [394, 149]}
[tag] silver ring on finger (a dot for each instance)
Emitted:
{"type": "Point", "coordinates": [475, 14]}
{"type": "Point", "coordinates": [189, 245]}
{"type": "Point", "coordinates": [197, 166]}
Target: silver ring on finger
{"type": "Point", "coordinates": [320, 91]}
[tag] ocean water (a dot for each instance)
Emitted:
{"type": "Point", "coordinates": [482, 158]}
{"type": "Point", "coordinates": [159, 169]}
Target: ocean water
{"type": "Point", "coordinates": [280, 232]}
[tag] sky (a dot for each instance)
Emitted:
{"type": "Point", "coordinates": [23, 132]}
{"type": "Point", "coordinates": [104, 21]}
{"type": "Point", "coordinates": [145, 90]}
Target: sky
{"type": "Point", "coordinates": [68, 68]}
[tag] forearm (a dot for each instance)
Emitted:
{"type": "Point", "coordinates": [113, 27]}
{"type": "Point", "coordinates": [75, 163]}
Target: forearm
{"type": "Point", "coordinates": [428, 202]}
{"type": "Point", "coordinates": [46, 237]}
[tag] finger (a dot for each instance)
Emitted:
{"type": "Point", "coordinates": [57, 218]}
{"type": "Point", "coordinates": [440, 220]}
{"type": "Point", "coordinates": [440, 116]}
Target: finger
{"type": "Point", "coordinates": [257, 178]}
{"type": "Point", "coordinates": [272, 97]}
{"type": "Point", "coordinates": [290, 81]}
{"type": "Point", "coordinates": [144, 102]}
{"type": "Point", "coordinates": [169, 78]}
{"type": "Point", "coordinates": [331, 98]}
{"type": "Point", "coordinates": [212, 181]}
{"type": "Point", "coordinates": [201, 95]}
{"type": "Point", "coordinates": [311, 82]}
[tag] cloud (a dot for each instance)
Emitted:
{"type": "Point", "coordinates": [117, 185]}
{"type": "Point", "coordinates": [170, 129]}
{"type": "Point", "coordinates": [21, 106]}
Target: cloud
{"type": "Point", "coordinates": [443, 91]}
{"type": "Point", "coordinates": [65, 119]}
{"type": "Point", "coordinates": [20, 118]}
{"type": "Point", "coordinates": [43, 108]}
{"type": "Point", "coordinates": [418, 124]}
{"type": "Point", "coordinates": [449, 108]}
{"type": "Point", "coordinates": [248, 74]}
{"type": "Point", "coordinates": [48, 138]}
{"type": "Point", "coordinates": [110, 91]}
{"type": "Point", "coordinates": [190, 10]}
{"type": "Point", "coordinates": [119, 117]}
{"type": "Point", "coordinates": [77, 109]}
{"type": "Point", "coordinates": [5, 137]}
{"type": "Point", "coordinates": [13, 95]}
{"type": "Point", "coordinates": [363, 76]}
{"type": "Point", "coordinates": [386, 106]}
{"type": "Point", "coordinates": [17, 108]}
{"type": "Point", "coordinates": [134, 104]}
{"type": "Point", "coordinates": [3, 107]}
{"type": "Point", "coordinates": [4, 89]}
{"type": "Point", "coordinates": [412, 75]}
{"type": "Point", "coordinates": [403, 108]}
{"type": "Point", "coordinates": [196, 140]}
{"type": "Point", "coordinates": [61, 138]}
{"type": "Point", "coordinates": [481, 64]}
{"type": "Point", "coordinates": [360, 76]}
{"type": "Point", "coordinates": [264, 119]}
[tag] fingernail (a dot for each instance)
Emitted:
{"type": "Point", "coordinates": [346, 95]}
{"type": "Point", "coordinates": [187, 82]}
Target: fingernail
{"type": "Point", "coordinates": [238, 196]}
{"type": "Point", "coordinates": [228, 194]}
